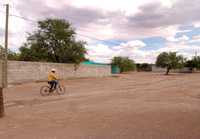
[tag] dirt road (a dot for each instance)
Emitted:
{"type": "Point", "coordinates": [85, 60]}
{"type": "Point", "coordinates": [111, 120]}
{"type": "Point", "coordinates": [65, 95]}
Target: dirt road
{"type": "Point", "coordinates": [132, 106]}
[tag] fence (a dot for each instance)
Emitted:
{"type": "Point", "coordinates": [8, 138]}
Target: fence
{"type": "Point", "coordinates": [182, 70]}
{"type": "Point", "coordinates": [20, 72]}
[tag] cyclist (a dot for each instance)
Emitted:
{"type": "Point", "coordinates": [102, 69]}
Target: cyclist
{"type": "Point", "coordinates": [52, 79]}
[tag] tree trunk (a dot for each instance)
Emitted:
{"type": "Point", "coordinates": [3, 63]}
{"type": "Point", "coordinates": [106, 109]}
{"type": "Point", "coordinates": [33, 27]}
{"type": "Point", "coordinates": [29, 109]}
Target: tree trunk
{"type": "Point", "coordinates": [1, 103]}
{"type": "Point", "coordinates": [76, 66]}
{"type": "Point", "coordinates": [167, 72]}
{"type": "Point", "coordinates": [192, 70]}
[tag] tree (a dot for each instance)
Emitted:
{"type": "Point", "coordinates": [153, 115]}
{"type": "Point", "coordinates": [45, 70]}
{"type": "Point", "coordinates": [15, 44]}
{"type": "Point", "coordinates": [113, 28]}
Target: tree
{"type": "Point", "coordinates": [124, 63]}
{"type": "Point", "coordinates": [11, 55]}
{"type": "Point", "coordinates": [144, 67]}
{"type": "Point", "coordinates": [193, 63]}
{"type": "Point", "coordinates": [54, 41]}
{"type": "Point", "coordinates": [170, 61]}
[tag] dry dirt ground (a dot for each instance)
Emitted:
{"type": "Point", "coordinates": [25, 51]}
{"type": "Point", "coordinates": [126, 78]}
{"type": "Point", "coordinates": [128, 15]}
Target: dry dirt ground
{"type": "Point", "coordinates": [132, 106]}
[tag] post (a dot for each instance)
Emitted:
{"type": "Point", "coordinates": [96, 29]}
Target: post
{"type": "Point", "coordinates": [1, 103]}
{"type": "Point", "coordinates": [4, 65]}
{"type": "Point", "coordinates": [6, 48]}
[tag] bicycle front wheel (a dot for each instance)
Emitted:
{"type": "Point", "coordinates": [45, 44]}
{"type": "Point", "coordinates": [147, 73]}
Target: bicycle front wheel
{"type": "Point", "coordinates": [61, 90]}
{"type": "Point", "coordinates": [44, 90]}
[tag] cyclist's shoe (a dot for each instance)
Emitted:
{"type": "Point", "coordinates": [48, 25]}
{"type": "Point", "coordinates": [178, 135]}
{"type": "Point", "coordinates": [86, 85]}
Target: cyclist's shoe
{"type": "Point", "coordinates": [50, 90]}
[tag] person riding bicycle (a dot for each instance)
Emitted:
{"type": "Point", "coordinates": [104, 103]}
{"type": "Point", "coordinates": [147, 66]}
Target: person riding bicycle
{"type": "Point", "coordinates": [52, 79]}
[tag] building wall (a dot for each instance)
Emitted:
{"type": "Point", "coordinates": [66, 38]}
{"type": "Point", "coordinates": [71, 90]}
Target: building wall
{"type": "Point", "coordinates": [21, 72]}
{"type": "Point", "coordinates": [158, 69]}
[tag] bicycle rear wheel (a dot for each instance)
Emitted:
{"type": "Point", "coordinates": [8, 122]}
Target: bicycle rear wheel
{"type": "Point", "coordinates": [61, 90]}
{"type": "Point", "coordinates": [44, 90]}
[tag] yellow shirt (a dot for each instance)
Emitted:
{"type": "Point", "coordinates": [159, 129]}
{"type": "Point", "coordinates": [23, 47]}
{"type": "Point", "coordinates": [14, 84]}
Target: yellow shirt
{"type": "Point", "coordinates": [52, 76]}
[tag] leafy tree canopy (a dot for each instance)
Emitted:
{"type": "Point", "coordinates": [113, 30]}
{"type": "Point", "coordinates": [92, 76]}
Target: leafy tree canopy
{"type": "Point", "coordinates": [170, 61]}
{"type": "Point", "coordinates": [11, 55]}
{"type": "Point", "coordinates": [54, 41]}
{"type": "Point", "coordinates": [194, 62]}
{"type": "Point", "coordinates": [124, 63]}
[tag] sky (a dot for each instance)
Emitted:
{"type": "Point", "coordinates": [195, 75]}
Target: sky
{"type": "Point", "coordinates": [138, 29]}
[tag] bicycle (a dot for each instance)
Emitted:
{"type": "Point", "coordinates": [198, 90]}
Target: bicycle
{"type": "Point", "coordinates": [45, 90]}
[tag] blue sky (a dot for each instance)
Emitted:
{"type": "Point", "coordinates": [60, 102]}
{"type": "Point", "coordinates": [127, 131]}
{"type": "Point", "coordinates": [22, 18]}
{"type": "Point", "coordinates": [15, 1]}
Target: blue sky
{"type": "Point", "coordinates": [139, 30]}
{"type": "Point", "coordinates": [153, 43]}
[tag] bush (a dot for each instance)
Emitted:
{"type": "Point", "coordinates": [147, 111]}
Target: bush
{"type": "Point", "coordinates": [144, 67]}
{"type": "Point", "coordinates": [124, 63]}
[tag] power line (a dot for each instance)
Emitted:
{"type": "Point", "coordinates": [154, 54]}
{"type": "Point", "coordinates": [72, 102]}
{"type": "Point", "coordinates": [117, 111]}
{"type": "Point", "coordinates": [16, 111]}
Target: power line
{"type": "Point", "coordinates": [94, 38]}
{"type": "Point", "coordinates": [83, 35]}
{"type": "Point", "coordinates": [24, 18]}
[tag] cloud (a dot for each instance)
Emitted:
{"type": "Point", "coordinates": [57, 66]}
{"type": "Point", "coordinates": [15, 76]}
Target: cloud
{"type": "Point", "coordinates": [2, 24]}
{"type": "Point", "coordinates": [1, 32]}
{"type": "Point", "coordinates": [129, 7]}
{"type": "Point", "coordinates": [155, 15]}
{"type": "Point", "coordinates": [78, 16]}
{"type": "Point", "coordinates": [183, 38]}
{"type": "Point", "coordinates": [95, 18]}
{"type": "Point", "coordinates": [107, 21]}
{"type": "Point", "coordinates": [104, 53]}
{"type": "Point", "coordinates": [195, 39]}
{"type": "Point", "coordinates": [187, 51]}
{"type": "Point", "coordinates": [126, 21]}
{"type": "Point", "coordinates": [156, 20]}
{"type": "Point", "coordinates": [196, 24]}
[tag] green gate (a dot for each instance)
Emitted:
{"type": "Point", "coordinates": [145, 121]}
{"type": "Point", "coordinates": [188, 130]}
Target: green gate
{"type": "Point", "coordinates": [115, 69]}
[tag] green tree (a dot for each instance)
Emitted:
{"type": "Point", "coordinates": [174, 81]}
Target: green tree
{"type": "Point", "coordinates": [54, 41]}
{"type": "Point", "coordinates": [144, 67]}
{"type": "Point", "coordinates": [170, 61]}
{"type": "Point", "coordinates": [124, 63]}
{"type": "Point", "coordinates": [11, 55]}
{"type": "Point", "coordinates": [193, 63]}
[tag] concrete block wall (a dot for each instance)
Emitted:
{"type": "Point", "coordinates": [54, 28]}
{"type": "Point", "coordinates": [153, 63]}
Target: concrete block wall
{"type": "Point", "coordinates": [183, 70]}
{"type": "Point", "coordinates": [21, 72]}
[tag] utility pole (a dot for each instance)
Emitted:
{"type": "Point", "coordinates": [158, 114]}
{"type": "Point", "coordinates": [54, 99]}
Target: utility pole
{"type": "Point", "coordinates": [4, 65]}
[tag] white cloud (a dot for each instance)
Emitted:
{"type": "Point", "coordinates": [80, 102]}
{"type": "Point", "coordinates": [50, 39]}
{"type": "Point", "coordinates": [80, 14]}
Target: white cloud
{"type": "Point", "coordinates": [54, 4]}
{"type": "Point", "coordinates": [195, 39]}
{"type": "Point", "coordinates": [196, 24]}
{"type": "Point", "coordinates": [168, 31]}
{"type": "Point", "coordinates": [168, 3]}
{"type": "Point", "coordinates": [112, 19]}
{"type": "Point", "coordinates": [183, 49]}
{"type": "Point", "coordinates": [114, 23]}
{"type": "Point", "coordinates": [103, 32]}
{"type": "Point", "coordinates": [130, 7]}
{"type": "Point", "coordinates": [104, 53]}
{"type": "Point", "coordinates": [100, 53]}
{"type": "Point", "coordinates": [136, 44]}
{"type": "Point", "coordinates": [188, 51]}
{"type": "Point", "coordinates": [131, 49]}
{"type": "Point", "coordinates": [183, 39]}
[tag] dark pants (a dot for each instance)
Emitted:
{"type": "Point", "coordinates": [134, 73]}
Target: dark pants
{"type": "Point", "coordinates": [53, 84]}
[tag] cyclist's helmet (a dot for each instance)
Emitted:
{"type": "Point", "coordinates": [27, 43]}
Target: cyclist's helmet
{"type": "Point", "coordinates": [53, 70]}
